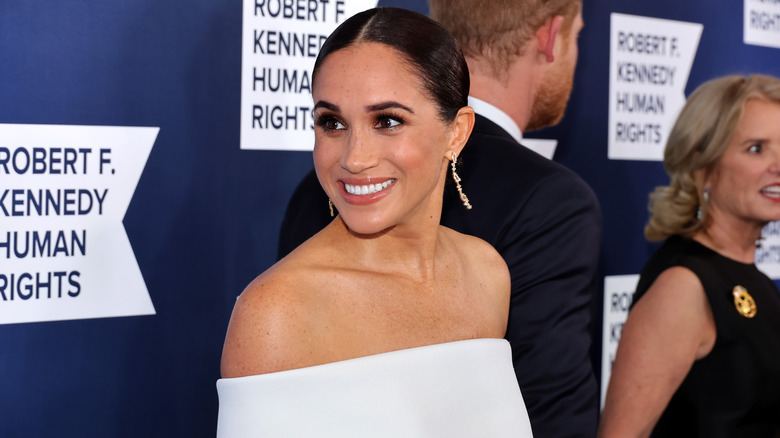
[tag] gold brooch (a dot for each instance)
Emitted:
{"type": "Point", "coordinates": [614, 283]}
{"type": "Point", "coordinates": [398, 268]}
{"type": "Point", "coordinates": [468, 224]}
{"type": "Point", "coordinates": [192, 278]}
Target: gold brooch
{"type": "Point", "coordinates": [744, 303]}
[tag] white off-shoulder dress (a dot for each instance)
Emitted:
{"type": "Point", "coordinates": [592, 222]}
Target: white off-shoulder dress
{"type": "Point", "coordinates": [456, 389]}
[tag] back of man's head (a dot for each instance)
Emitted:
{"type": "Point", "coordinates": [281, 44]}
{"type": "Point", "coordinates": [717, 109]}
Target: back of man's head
{"type": "Point", "coordinates": [499, 30]}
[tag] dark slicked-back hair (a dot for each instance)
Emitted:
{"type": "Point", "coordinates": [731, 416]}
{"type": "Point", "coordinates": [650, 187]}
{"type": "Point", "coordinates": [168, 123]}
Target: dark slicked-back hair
{"type": "Point", "coordinates": [430, 50]}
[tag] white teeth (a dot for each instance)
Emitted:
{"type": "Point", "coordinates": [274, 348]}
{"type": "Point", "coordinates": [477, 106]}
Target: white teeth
{"type": "Point", "coordinates": [367, 189]}
{"type": "Point", "coordinates": [771, 191]}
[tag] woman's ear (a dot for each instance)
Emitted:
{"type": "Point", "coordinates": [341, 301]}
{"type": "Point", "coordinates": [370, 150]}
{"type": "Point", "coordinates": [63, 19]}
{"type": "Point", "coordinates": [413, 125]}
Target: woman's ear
{"type": "Point", "coordinates": [699, 177]}
{"type": "Point", "coordinates": [461, 130]}
{"type": "Point", "coordinates": [704, 176]}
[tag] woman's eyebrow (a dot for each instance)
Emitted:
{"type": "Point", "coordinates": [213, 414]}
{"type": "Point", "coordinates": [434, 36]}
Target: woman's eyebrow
{"type": "Point", "coordinates": [385, 105]}
{"type": "Point", "coordinates": [369, 108]}
{"type": "Point", "coordinates": [326, 105]}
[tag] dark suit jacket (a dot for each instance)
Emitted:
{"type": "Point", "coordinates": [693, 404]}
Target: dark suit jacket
{"type": "Point", "coordinates": [546, 223]}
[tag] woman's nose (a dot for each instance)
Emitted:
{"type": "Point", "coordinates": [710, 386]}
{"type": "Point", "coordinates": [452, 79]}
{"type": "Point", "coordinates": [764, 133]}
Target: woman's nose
{"type": "Point", "coordinates": [774, 165]}
{"type": "Point", "coordinates": [359, 153]}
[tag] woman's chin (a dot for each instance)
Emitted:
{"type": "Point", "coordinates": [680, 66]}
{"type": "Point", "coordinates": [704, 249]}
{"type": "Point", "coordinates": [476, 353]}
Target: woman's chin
{"type": "Point", "coordinates": [365, 226]}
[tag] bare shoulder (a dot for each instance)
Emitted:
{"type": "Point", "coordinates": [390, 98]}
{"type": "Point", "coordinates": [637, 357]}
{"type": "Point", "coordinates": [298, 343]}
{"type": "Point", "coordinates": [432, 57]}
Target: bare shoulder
{"type": "Point", "coordinates": [668, 329]}
{"type": "Point", "coordinates": [677, 301]}
{"type": "Point", "coordinates": [477, 250]}
{"type": "Point", "coordinates": [264, 330]}
{"type": "Point", "coordinates": [677, 292]}
{"type": "Point", "coordinates": [483, 261]}
{"type": "Point", "coordinates": [674, 302]}
{"type": "Point", "coordinates": [679, 275]}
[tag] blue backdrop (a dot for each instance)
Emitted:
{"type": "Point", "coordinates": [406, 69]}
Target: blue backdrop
{"type": "Point", "coordinates": [204, 218]}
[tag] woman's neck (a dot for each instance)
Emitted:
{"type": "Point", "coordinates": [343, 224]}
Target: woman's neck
{"type": "Point", "coordinates": [401, 250]}
{"type": "Point", "coordinates": [735, 242]}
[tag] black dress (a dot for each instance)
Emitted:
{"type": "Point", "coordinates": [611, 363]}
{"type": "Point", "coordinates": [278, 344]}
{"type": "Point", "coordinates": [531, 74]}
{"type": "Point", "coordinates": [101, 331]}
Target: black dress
{"type": "Point", "coordinates": [734, 391]}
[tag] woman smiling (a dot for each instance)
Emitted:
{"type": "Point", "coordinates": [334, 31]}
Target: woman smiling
{"type": "Point", "coordinates": [385, 323]}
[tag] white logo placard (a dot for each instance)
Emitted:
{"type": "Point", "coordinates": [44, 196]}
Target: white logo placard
{"type": "Point", "coordinates": [768, 253]}
{"type": "Point", "coordinates": [761, 23]}
{"type": "Point", "coordinates": [618, 295]}
{"type": "Point", "coordinates": [64, 252]}
{"type": "Point", "coordinates": [281, 40]}
{"type": "Point", "coordinates": [650, 60]}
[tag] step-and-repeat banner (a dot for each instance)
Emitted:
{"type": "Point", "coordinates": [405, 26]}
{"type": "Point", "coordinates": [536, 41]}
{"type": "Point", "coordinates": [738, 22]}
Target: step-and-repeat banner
{"type": "Point", "coordinates": [148, 150]}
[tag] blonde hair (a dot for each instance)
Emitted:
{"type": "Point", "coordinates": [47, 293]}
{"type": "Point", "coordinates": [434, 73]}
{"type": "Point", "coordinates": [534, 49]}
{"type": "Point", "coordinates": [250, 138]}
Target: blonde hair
{"type": "Point", "coordinates": [498, 30]}
{"type": "Point", "coordinates": [696, 143]}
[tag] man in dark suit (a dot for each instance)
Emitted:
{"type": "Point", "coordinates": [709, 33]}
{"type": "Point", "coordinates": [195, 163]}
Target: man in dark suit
{"type": "Point", "coordinates": [542, 218]}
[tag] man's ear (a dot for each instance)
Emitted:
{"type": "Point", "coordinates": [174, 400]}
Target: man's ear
{"type": "Point", "coordinates": [545, 37]}
{"type": "Point", "coordinates": [461, 130]}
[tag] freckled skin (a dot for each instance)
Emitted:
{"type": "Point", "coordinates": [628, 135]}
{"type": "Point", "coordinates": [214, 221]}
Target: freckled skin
{"type": "Point", "coordinates": [384, 275]}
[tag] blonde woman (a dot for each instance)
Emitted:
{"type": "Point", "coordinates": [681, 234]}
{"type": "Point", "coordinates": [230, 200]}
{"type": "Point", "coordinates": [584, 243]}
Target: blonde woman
{"type": "Point", "coordinates": [698, 356]}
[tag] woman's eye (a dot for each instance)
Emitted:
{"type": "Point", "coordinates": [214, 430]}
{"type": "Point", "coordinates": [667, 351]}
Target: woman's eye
{"type": "Point", "coordinates": [755, 148]}
{"type": "Point", "coordinates": [330, 124]}
{"type": "Point", "coordinates": [333, 124]}
{"type": "Point", "coordinates": [387, 122]}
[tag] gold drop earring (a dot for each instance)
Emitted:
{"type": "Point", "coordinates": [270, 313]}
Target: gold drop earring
{"type": "Point", "coordinates": [456, 177]}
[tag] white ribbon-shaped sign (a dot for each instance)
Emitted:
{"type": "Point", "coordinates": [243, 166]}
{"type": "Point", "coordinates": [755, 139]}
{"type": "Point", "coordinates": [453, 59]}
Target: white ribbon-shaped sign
{"type": "Point", "coordinates": [64, 252]}
{"type": "Point", "coordinates": [650, 60]}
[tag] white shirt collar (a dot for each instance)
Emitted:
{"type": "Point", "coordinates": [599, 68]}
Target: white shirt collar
{"type": "Point", "coordinates": [496, 116]}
